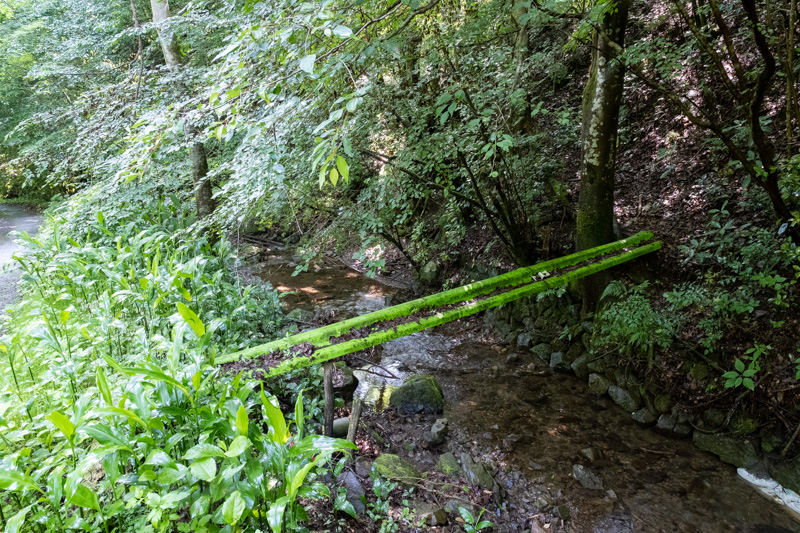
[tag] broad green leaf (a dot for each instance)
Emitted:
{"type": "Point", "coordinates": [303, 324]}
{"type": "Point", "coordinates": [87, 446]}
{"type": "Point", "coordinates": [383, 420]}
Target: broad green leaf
{"type": "Point", "coordinates": [233, 508]}
{"type": "Point", "coordinates": [158, 375]}
{"type": "Point", "coordinates": [102, 386]}
{"type": "Point", "coordinates": [241, 420]}
{"type": "Point", "coordinates": [238, 446]}
{"type": "Point", "coordinates": [343, 168]}
{"type": "Point", "coordinates": [16, 522]}
{"type": "Point", "coordinates": [275, 514]}
{"type": "Point", "coordinates": [739, 365]}
{"type": "Point", "coordinates": [192, 319]}
{"type": "Point", "coordinates": [343, 32]}
{"type": "Point", "coordinates": [341, 504]}
{"type": "Point", "coordinates": [63, 423]}
{"type": "Point", "coordinates": [13, 480]}
{"type": "Point", "coordinates": [204, 469]}
{"type": "Point", "coordinates": [84, 497]}
{"type": "Point", "coordinates": [130, 415]}
{"type": "Point", "coordinates": [307, 63]}
{"type": "Point", "coordinates": [203, 451]}
{"type": "Point", "coordinates": [276, 420]}
{"type": "Point", "coordinates": [298, 479]}
{"type": "Point", "coordinates": [334, 176]}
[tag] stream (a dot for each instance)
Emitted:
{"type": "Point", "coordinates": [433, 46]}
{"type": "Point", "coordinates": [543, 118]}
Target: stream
{"type": "Point", "coordinates": [532, 425]}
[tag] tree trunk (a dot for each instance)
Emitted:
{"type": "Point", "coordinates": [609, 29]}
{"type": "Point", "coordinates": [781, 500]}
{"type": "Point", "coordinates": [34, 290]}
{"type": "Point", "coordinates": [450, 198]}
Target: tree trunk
{"type": "Point", "coordinates": [169, 43]}
{"type": "Point", "coordinates": [602, 97]}
{"type": "Point", "coordinates": [202, 186]}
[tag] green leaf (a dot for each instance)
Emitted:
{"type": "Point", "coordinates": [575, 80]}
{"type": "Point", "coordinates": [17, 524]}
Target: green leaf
{"type": "Point", "coordinates": [341, 504]}
{"type": "Point", "coordinates": [275, 514]}
{"type": "Point", "coordinates": [203, 451]}
{"type": "Point", "coordinates": [192, 319]}
{"type": "Point", "coordinates": [158, 375]}
{"type": "Point", "coordinates": [63, 423]}
{"type": "Point", "coordinates": [276, 420]}
{"type": "Point", "coordinates": [130, 415]}
{"type": "Point", "coordinates": [238, 446]}
{"type": "Point", "coordinates": [241, 420]}
{"type": "Point", "coordinates": [84, 497]}
{"type": "Point", "coordinates": [233, 508]}
{"type": "Point", "coordinates": [334, 176]}
{"type": "Point", "coordinates": [299, 417]}
{"type": "Point", "coordinates": [342, 31]}
{"type": "Point", "coordinates": [748, 383]}
{"type": "Point", "coordinates": [102, 385]}
{"type": "Point", "coordinates": [739, 365]}
{"type": "Point", "coordinates": [15, 523]}
{"type": "Point", "coordinates": [344, 168]}
{"type": "Point", "coordinates": [443, 99]}
{"type": "Point", "coordinates": [15, 481]}
{"type": "Point", "coordinates": [307, 63]}
{"type": "Point", "coordinates": [204, 469]}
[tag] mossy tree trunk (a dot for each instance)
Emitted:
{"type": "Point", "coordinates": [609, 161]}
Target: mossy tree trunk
{"type": "Point", "coordinates": [602, 97]}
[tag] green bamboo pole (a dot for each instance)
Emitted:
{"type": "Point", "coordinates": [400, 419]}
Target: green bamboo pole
{"type": "Point", "coordinates": [321, 336]}
{"type": "Point", "coordinates": [338, 350]}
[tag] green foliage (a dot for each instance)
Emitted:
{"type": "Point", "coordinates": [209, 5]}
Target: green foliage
{"type": "Point", "coordinates": [473, 524]}
{"type": "Point", "coordinates": [629, 321]}
{"type": "Point", "coordinates": [742, 375]}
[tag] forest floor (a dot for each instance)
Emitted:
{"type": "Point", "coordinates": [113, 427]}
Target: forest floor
{"type": "Point", "coordinates": [13, 218]}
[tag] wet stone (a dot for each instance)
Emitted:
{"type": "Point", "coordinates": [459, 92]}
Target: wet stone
{"type": "Point", "coordinates": [622, 398]}
{"type": "Point", "coordinates": [512, 358]}
{"type": "Point", "coordinates": [670, 426]}
{"type": "Point", "coordinates": [579, 366]}
{"type": "Point", "coordinates": [593, 454]}
{"type": "Point", "coordinates": [476, 473]}
{"type": "Point", "coordinates": [558, 362]}
{"type": "Point", "coordinates": [524, 340]}
{"type": "Point", "coordinates": [644, 417]}
{"type": "Point", "coordinates": [542, 351]}
{"type": "Point", "coordinates": [586, 478]}
{"type": "Point", "coordinates": [563, 512]}
{"type": "Point", "coordinates": [598, 384]}
{"type": "Point", "coordinates": [363, 467]}
{"type": "Point", "coordinates": [741, 453]}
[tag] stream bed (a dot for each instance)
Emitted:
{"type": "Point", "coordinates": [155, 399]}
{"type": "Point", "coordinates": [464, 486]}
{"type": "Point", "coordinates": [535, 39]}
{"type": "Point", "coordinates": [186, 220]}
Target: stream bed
{"type": "Point", "coordinates": [532, 426]}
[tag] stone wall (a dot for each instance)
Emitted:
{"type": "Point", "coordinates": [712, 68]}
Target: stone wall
{"type": "Point", "coordinates": [551, 328]}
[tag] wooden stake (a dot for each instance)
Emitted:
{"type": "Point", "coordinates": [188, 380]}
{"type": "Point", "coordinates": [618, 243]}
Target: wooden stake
{"type": "Point", "coordinates": [328, 383]}
{"type": "Point", "coordinates": [355, 414]}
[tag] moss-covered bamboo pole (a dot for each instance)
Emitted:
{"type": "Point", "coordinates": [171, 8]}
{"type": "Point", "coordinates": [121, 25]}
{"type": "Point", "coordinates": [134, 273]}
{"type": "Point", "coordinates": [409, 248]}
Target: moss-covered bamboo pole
{"type": "Point", "coordinates": [338, 350]}
{"type": "Point", "coordinates": [321, 336]}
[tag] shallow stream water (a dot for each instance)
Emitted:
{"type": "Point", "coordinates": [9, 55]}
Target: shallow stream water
{"type": "Point", "coordinates": [541, 421]}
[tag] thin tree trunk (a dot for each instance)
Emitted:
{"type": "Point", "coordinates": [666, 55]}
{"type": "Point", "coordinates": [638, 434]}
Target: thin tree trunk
{"type": "Point", "coordinates": [329, 403]}
{"type": "Point", "coordinates": [202, 185]}
{"type": "Point", "coordinates": [602, 97]}
{"type": "Point", "coordinates": [167, 38]}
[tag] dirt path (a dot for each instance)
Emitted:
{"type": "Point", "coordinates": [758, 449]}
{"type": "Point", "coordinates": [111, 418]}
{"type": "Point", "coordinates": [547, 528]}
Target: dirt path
{"type": "Point", "coordinates": [13, 218]}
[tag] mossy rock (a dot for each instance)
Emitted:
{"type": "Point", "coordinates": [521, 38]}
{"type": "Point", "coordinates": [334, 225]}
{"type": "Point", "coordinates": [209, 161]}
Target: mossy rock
{"type": "Point", "coordinates": [396, 468]}
{"type": "Point", "coordinates": [449, 466]}
{"type": "Point", "coordinates": [741, 453]}
{"type": "Point", "coordinates": [418, 394]}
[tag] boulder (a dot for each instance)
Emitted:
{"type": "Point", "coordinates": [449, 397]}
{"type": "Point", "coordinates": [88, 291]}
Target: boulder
{"type": "Point", "coordinates": [355, 492]}
{"type": "Point", "coordinates": [732, 450]}
{"type": "Point", "coordinates": [449, 465]}
{"type": "Point", "coordinates": [787, 473]}
{"type": "Point", "coordinates": [623, 398]}
{"type": "Point", "coordinates": [363, 467]}
{"type": "Point", "coordinates": [476, 473]}
{"type": "Point", "coordinates": [558, 361]}
{"type": "Point", "coordinates": [579, 366]}
{"type": "Point", "coordinates": [542, 351]}
{"type": "Point", "coordinates": [586, 478]}
{"type": "Point", "coordinates": [418, 394]}
{"type": "Point", "coordinates": [396, 468]}
{"type": "Point", "coordinates": [598, 384]}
